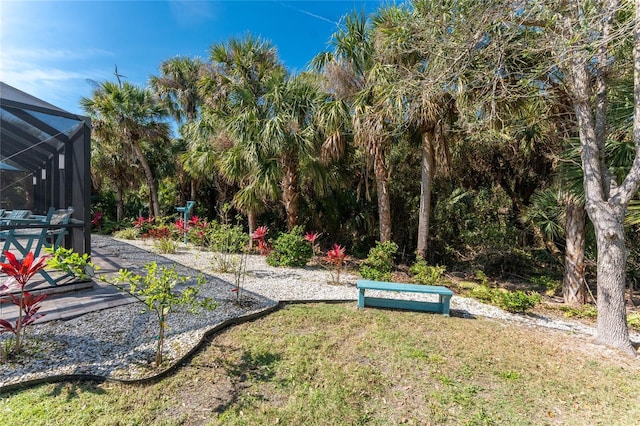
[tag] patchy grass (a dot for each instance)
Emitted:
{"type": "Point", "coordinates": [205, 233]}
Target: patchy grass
{"type": "Point", "coordinates": [322, 364]}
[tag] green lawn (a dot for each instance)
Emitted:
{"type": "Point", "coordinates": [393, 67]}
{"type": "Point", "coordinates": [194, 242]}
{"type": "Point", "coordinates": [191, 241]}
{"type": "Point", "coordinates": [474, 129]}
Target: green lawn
{"type": "Point", "coordinates": [329, 364]}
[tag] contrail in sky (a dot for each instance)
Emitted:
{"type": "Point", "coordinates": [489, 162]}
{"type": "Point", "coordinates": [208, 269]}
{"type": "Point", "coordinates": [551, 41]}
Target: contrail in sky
{"type": "Point", "coordinates": [306, 12]}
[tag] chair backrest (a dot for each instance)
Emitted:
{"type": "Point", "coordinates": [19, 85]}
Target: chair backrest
{"type": "Point", "coordinates": [17, 214]}
{"type": "Point", "coordinates": [61, 217]}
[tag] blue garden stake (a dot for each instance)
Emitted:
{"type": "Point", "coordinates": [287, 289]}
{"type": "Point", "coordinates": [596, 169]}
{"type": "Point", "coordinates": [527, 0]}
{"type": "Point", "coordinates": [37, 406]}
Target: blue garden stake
{"type": "Point", "coordinates": [185, 214]}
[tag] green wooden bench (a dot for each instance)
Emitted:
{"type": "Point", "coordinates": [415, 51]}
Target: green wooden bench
{"type": "Point", "coordinates": [442, 306]}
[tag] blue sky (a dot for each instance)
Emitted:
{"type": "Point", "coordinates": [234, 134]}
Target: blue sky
{"type": "Point", "coordinates": [51, 48]}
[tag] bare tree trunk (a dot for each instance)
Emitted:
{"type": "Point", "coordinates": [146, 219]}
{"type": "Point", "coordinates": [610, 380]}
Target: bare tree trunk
{"type": "Point", "coordinates": [290, 193]}
{"type": "Point", "coordinates": [384, 205]}
{"type": "Point", "coordinates": [426, 183]}
{"type": "Point", "coordinates": [148, 174]}
{"type": "Point", "coordinates": [253, 224]}
{"type": "Point", "coordinates": [573, 283]}
{"type": "Point", "coordinates": [612, 261]}
{"type": "Point", "coordinates": [119, 203]}
{"type": "Point", "coordinates": [193, 188]}
{"type": "Point", "coordinates": [606, 214]}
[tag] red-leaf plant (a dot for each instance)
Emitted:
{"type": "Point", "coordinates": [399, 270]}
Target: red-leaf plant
{"type": "Point", "coordinates": [20, 272]}
{"type": "Point", "coordinates": [260, 235]}
{"type": "Point", "coordinates": [336, 256]}
{"type": "Point", "coordinates": [312, 237]}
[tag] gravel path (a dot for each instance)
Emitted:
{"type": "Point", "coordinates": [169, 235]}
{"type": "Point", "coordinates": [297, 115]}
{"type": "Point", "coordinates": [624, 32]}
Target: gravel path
{"type": "Point", "coordinates": [119, 343]}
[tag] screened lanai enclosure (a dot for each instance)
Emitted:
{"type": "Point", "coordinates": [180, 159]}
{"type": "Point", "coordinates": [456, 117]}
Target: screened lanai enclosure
{"type": "Point", "coordinates": [45, 166]}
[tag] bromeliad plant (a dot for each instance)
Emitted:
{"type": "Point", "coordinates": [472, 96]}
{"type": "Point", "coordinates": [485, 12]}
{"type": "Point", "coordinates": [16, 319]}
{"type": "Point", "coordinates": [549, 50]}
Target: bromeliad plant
{"type": "Point", "coordinates": [336, 257]}
{"type": "Point", "coordinates": [158, 291]}
{"type": "Point", "coordinates": [312, 237]}
{"type": "Point", "coordinates": [19, 273]}
{"type": "Point", "coordinates": [260, 235]}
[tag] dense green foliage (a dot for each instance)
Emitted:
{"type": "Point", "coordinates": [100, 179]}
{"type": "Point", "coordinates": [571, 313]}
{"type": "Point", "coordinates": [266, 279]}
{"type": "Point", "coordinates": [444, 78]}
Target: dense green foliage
{"type": "Point", "coordinates": [290, 249]}
{"type": "Point", "coordinates": [422, 273]}
{"type": "Point", "coordinates": [379, 263]}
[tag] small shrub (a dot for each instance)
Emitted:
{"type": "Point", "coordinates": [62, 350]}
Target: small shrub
{"type": "Point", "coordinates": [336, 257]}
{"type": "Point", "coordinates": [426, 274]}
{"type": "Point", "coordinates": [144, 224]}
{"type": "Point", "coordinates": [467, 285]}
{"type": "Point", "coordinates": [582, 311]}
{"type": "Point", "coordinates": [158, 291]}
{"type": "Point", "coordinates": [70, 262]}
{"type": "Point", "coordinates": [517, 301]}
{"type": "Point", "coordinates": [633, 319]}
{"type": "Point", "coordinates": [290, 249]}
{"type": "Point", "coordinates": [550, 285]}
{"type": "Point", "coordinates": [260, 235]}
{"type": "Point", "coordinates": [482, 277]}
{"type": "Point", "coordinates": [196, 231]}
{"type": "Point", "coordinates": [166, 245]}
{"type": "Point", "coordinates": [127, 233]}
{"type": "Point", "coordinates": [20, 272]}
{"type": "Point", "coordinates": [482, 293]}
{"type": "Point", "coordinates": [378, 265]}
{"type": "Point", "coordinates": [226, 238]}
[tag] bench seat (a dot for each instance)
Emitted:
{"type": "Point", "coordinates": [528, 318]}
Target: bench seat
{"type": "Point", "coordinates": [442, 306]}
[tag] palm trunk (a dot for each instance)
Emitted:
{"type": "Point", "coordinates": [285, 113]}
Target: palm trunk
{"type": "Point", "coordinates": [194, 189]}
{"type": "Point", "coordinates": [573, 284]}
{"type": "Point", "coordinates": [148, 174]}
{"type": "Point", "coordinates": [290, 190]}
{"type": "Point", "coordinates": [384, 205]}
{"type": "Point", "coordinates": [426, 182]}
{"type": "Point", "coordinates": [253, 224]}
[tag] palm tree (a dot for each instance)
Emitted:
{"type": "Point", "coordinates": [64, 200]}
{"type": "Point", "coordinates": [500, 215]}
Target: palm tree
{"type": "Point", "coordinates": [424, 105]}
{"type": "Point", "coordinates": [291, 135]}
{"type": "Point", "coordinates": [243, 72]}
{"type": "Point", "coordinates": [353, 80]}
{"type": "Point", "coordinates": [137, 117]}
{"type": "Point", "coordinates": [111, 163]}
{"type": "Point", "coordinates": [177, 87]}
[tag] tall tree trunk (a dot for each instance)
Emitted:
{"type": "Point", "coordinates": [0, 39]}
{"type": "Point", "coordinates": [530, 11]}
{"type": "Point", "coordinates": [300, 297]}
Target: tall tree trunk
{"type": "Point", "coordinates": [384, 205]}
{"type": "Point", "coordinates": [119, 204]}
{"type": "Point", "coordinates": [194, 189]}
{"type": "Point", "coordinates": [290, 190]}
{"type": "Point", "coordinates": [606, 214]}
{"type": "Point", "coordinates": [252, 217]}
{"type": "Point", "coordinates": [573, 283]}
{"type": "Point", "coordinates": [148, 174]}
{"type": "Point", "coordinates": [426, 182]}
{"type": "Point", "coordinates": [612, 262]}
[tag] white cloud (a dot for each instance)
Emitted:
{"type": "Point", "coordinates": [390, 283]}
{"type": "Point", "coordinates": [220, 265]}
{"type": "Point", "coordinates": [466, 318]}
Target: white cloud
{"type": "Point", "coordinates": [54, 54]}
{"type": "Point", "coordinates": [58, 76]}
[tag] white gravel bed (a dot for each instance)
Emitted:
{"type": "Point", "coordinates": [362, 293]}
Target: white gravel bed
{"type": "Point", "coordinates": [119, 343]}
{"type": "Point", "coordinates": [313, 284]}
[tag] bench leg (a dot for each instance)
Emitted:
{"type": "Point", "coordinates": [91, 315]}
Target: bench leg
{"type": "Point", "coordinates": [445, 302]}
{"type": "Point", "coordinates": [360, 298]}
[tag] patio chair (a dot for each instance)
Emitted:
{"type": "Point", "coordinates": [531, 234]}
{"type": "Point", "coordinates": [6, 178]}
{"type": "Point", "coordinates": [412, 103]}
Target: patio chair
{"type": "Point", "coordinates": [56, 236]}
{"type": "Point", "coordinates": [32, 234]}
{"type": "Point", "coordinates": [15, 214]}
